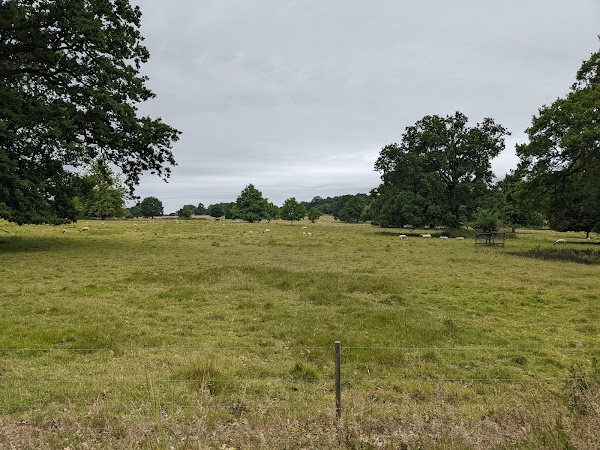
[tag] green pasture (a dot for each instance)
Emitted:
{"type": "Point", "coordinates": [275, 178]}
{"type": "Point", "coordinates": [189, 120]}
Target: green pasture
{"type": "Point", "coordinates": [198, 334]}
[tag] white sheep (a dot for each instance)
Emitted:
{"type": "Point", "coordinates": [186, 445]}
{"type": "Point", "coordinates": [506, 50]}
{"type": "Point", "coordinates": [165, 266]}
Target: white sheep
{"type": "Point", "coordinates": [443, 237]}
{"type": "Point", "coordinates": [267, 231]}
{"type": "Point", "coordinates": [102, 224]}
{"type": "Point", "coordinates": [560, 241]}
{"type": "Point", "coordinates": [309, 234]}
{"type": "Point", "coordinates": [460, 238]}
{"type": "Point", "coordinates": [135, 224]}
{"type": "Point", "coordinates": [304, 228]}
{"type": "Point", "coordinates": [63, 231]}
{"type": "Point", "coordinates": [426, 236]}
{"type": "Point", "coordinates": [84, 229]}
{"type": "Point", "coordinates": [403, 237]}
{"type": "Point", "coordinates": [304, 233]}
{"type": "Point", "coordinates": [250, 232]}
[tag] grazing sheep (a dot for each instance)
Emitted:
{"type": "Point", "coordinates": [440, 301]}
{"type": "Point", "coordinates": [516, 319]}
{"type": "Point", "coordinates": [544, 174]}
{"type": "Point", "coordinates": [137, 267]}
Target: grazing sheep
{"type": "Point", "coordinates": [63, 231]}
{"type": "Point", "coordinates": [443, 237]}
{"type": "Point", "coordinates": [309, 234]}
{"type": "Point", "coordinates": [135, 224]}
{"type": "Point", "coordinates": [403, 237]}
{"type": "Point", "coordinates": [304, 233]}
{"type": "Point", "coordinates": [102, 224]}
{"type": "Point", "coordinates": [460, 238]}
{"type": "Point", "coordinates": [560, 241]}
{"type": "Point", "coordinates": [426, 236]}
{"type": "Point", "coordinates": [304, 228]}
{"type": "Point", "coordinates": [250, 232]}
{"type": "Point", "coordinates": [589, 238]}
{"type": "Point", "coordinates": [84, 229]}
{"type": "Point", "coordinates": [267, 231]}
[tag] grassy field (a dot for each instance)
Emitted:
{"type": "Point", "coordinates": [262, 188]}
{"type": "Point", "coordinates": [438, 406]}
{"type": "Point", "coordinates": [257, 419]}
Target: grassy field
{"type": "Point", "coordinates": [199, 335]}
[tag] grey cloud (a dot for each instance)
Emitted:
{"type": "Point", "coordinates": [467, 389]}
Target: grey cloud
{"type": "Point", "coordinates": [299, 97]}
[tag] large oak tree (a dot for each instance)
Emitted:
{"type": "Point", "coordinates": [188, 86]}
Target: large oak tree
{"type": "Point", "coordinates": [70, 84]}
{"type": "Point", "coordinates": [438, 174]}
{"type": "Point", "coordinates": [561, 162]}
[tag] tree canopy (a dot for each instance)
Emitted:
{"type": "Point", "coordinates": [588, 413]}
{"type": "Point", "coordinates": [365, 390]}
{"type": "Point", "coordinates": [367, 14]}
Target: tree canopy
{"type": "Point", "coordinates": [439, 172]}
{"type": "Point", "coordinates": [101, 194]}
{"type": "Point", "coordinates": [250, 205]}
{"type": "Point", "coordinates": [292, 210]}
{"type": "Point", "coordinates": [70, 84]}
{"type": "Point", "coordinates": [314, 214]}
{"type": "Point", "coordinates": [216, 210]}
{"type": "Point", "coordinates": [186, 211]}
{"type": "Point", "coordinates": [561, 162]}
{"type": "Point", "coordinates": [150, 207]}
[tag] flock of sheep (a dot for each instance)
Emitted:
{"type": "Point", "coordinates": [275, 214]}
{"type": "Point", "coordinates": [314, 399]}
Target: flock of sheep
{"type": "Point", "coordinates": [404, 237]}
{"type": "Point", "coordinates": [304, 233]}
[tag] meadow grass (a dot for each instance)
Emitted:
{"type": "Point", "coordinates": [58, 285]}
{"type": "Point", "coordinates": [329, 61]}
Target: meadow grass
{"type": "Point", "coordinates": [197, 334]}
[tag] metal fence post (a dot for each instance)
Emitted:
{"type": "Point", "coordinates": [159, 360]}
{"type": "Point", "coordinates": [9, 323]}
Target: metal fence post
{"type": "Point", "coordinates": [338, 384]}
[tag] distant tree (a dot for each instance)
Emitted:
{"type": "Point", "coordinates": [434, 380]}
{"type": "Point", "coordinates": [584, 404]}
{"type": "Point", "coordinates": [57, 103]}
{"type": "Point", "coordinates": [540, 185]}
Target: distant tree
{"type": "Point", "coordinates": [325, 208]}
{"type": "Point", "coordinates": [314, 214]}
{"type": "Point", "coordinates": [135, 210]}
{"type": "Point", "coordinates": [366, 213]}
{"type": "Point", "coordinates": [292, 210]}
{"type": "Point", "coordinates": [438, 174]}
{"type": "Point", "coordinates": [186, 212]}
{"type": "Point", "coordinates": [216, 211]}
{"type": "Point", "coordinates": [561, 160]}
{"type": "Point", "coordinates": [200, 209]}
{"type": "Point", "coordinates": [250, 205]}
{"type": "Point", "coordinates": [229, 208]}
{"type": "Point", "coordinates": [101, 194]}
{"type": "Point", "coordinates": [150, 207]}
{"type": "Point", "coordinates": [272, 211]}
{"type": "Point", "coordinates": [353, 208]}
{"type": "Point", "coordinates": [486, 221]}
{"type": "Point", "coordinates": [517, 206]}
{"type": "Point", "coordinates": [316, 201]}
{"type": "Point", "coordinates": [338, 203]}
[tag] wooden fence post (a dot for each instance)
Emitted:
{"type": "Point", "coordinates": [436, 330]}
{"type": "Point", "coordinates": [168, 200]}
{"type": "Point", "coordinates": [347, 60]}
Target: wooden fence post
{"type": "Point", "coordinates": [338, 384]}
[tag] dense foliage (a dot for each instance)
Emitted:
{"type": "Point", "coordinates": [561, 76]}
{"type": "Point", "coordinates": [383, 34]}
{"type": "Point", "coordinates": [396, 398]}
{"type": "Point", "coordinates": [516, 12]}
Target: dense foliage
{"type": "Point", "coordinates": [150, 207]}
{"type": "Point", "coordinates": [101, 193]}
{"type": "Point", "coordinates": [561, 162]}
{"type": "Point", "coordinates": [216, 211]}
{"type": "Point", "coordinates": [353, 206]}
{"type": "Point", "coordinates": [439, 173]}
{"type": "Point", "coordinates": [250, 205]}
{"type": "Point", "coordinates": [292, 210]}
{"type": "Point", "coordinates": [314, 214]}
{"type": "Point", "coordinates": [69, 86]}
{"type": "Point", "coordinates": [186, 211]}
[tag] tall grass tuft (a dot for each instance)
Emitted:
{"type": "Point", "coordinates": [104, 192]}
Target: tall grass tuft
{"type": "Point", "coordinates": [561, 254]}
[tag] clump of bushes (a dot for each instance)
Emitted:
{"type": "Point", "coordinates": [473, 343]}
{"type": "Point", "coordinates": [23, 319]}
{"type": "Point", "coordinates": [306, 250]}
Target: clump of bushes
{"type": "Point", "coordinates": [561, 254]}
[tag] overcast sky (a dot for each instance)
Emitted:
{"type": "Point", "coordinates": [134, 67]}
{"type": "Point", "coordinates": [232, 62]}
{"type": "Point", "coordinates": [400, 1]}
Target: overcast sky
{"type": "Point", "coordinates": [298, 97]}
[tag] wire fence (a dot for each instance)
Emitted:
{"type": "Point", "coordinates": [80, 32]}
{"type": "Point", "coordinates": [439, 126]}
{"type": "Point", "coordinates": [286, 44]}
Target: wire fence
{"type": "Point", "coordinates": [334, 383]}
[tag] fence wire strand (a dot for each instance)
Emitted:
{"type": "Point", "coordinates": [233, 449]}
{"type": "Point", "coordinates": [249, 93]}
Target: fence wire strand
{"type": "Point", "coordinates": [300, 380]}
{"type": "Point", "coordinates": [299, 347]}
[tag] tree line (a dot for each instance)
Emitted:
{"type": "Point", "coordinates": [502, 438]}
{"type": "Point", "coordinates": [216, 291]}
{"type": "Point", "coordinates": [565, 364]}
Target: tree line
{"type": "Point", "coordinates": [72, 143]}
